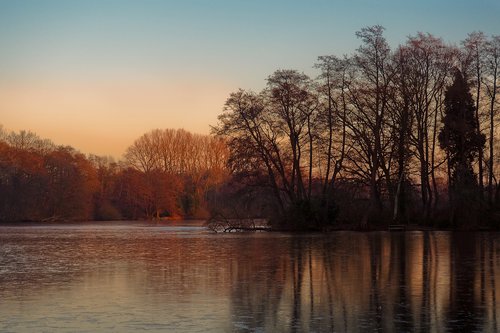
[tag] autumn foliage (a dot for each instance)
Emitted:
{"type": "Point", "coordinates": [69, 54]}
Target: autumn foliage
{"type": "Point", "coordinates": [42, 181]}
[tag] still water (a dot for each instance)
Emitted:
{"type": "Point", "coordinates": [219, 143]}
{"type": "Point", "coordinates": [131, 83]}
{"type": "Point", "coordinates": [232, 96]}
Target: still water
{"type": "Point", "coordinates": [180, 277]}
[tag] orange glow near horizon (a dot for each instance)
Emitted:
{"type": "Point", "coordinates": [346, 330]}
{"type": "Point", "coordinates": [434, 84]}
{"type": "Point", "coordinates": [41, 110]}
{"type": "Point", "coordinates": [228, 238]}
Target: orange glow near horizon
{"type": "Point", "coordinates": [98, 74]}
{"type": "Point", "coordinates": [104, 118]}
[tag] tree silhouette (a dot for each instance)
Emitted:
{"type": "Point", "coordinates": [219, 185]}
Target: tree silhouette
{"type": "Point", "coordinates": [462, 143]}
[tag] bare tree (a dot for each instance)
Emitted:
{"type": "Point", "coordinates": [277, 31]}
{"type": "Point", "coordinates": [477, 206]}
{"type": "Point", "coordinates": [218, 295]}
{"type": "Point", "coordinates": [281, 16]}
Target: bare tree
{"type": "Point", "coordinates": [369, 95]}
{"type": "Point", "coordinates": [474, 50]}
{"type": "Point", "coordinates": [403, 121]}
{"type": "Point", "coordinates": [249, 130]}
{"type": "Point", "coordinates": [491, 84]}
{"type": "Point", "coordinates": [174, 154]}
{"type": "Point", "coordinates": [277, 138]}
{"type": "Point", "coordinates": [29, 141]}
{"type": "Point", "coordinates": [294, 105]}
{"type": "Point", "coordinates": [428, 63]}
{"type": "Point", "coordinates": [371, 119]}
{"type": "Point", "coordinates": [332, 127]}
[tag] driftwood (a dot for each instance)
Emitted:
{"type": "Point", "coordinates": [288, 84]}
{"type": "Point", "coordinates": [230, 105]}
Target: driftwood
{"type": "Point", "coordinates": [219, 223]}
{"type": "Point", "coordinates": [54, 218]}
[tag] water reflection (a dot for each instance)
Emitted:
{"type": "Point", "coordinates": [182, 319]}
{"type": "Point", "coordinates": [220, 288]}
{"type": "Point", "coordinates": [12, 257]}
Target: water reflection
{"type": "Point", "coordinates": [128, 278]}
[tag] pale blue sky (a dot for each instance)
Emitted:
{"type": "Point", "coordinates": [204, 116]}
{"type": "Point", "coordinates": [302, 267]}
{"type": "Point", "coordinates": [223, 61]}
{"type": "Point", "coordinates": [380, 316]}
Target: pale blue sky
{"type": "Point", "coordinates": [97, 74]}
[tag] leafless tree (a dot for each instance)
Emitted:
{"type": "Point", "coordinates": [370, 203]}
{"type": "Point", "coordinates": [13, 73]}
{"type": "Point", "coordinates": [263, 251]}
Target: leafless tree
{"type": "Point", "coordinates": [428, 68]}
{"type": "Point", "coordinates": [474, 57]}
{"type": "Point", "coordinates": [369, 93]}
{"type": "Point", "coordinates": [332, 126]}
{"type": "Point", "coordinates": [492, 63]}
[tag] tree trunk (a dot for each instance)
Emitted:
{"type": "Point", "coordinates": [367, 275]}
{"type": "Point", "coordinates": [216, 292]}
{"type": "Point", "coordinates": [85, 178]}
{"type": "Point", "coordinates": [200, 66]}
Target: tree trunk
{"type": "Point", "coordinates": [492, 132]}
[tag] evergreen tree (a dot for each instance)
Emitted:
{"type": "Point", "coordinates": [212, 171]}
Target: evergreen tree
{"type": "Point", "coordinates": [462, 143]}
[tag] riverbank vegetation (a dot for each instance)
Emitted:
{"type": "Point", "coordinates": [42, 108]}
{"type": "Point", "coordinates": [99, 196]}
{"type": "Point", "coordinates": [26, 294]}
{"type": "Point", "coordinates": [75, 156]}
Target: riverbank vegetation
{"type": "Point", "coordinates": [385, 135]}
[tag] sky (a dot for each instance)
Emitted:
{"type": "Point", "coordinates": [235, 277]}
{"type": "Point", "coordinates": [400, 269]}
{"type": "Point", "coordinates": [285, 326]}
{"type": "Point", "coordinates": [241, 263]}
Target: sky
{"type": "Point", "coordinates": [97, 75]}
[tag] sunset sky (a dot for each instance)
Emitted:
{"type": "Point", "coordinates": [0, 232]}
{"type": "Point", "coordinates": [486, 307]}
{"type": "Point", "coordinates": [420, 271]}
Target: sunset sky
{"type": "Point", "coordinates": [98, 74]}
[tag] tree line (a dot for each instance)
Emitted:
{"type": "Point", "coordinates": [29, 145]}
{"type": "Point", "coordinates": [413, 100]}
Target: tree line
{"type": "Point", "coordinates": [405, 134]}
{"type": "Point", "coordinates": [164, 173]}
{"type": "Point", "coordinates": [383, 135]}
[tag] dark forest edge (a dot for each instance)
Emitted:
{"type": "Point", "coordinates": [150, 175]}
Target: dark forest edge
{"type": "Point", "coordinates": [405, 136]}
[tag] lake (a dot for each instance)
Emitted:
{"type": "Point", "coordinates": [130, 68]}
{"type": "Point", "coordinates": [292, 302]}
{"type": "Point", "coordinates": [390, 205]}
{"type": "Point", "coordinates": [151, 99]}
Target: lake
{"type": "Point", "coordinates": [181, 277]}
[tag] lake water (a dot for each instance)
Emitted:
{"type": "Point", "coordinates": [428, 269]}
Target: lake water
{"type": "Point", "coordinates": [180, 277]}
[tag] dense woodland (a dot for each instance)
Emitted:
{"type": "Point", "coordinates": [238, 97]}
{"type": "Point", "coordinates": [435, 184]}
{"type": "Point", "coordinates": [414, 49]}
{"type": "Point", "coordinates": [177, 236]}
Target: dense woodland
{"type": "Point", "coordinates": [164, 173]}
{"type": "Point", "coordinates": [406, 135]}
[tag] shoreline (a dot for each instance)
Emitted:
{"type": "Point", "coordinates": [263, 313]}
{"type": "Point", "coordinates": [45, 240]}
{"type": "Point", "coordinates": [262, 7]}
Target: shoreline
{"type": "Point", "coordinates": [203, 222]}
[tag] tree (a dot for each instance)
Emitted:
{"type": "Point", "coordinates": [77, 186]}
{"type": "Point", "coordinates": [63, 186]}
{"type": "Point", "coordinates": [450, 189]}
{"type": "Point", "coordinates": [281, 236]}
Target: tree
{"type": "Point", "coordinates": [426, 64]}
{"type": "Point", "coordinates": [492, 86]}
{"type": "Point", "coordinates": [293, 106]}
{"type": "Point", "coordinates": [332, 126]}
{"type": "Point", "coordinates": [23, 184]}
{"type": "Point", "coordinates": [72, 182]}
{"type": "Point", "coordinates": [248, 127]}
{"type": "Point", "coordinates": [176, 156]}
{"type": "Point", "coordinates": [369, 94]}
{"type": "Point", "coordinates": [107, 172]}
{"type": "Point", "coordinates": [29, 141]}
{"type": "Point", "coordinates": [403, 121]}
{"type": "Point", "coordinates": [3, 133]}
{"type": "Point", "coordinates": [474, 46]}
{"type": "Point", "coordinates": [275, 140]}
{"type": "Point", "coordinates": [461, 141]}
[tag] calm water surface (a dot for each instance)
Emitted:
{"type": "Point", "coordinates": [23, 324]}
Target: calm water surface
{"type": "Point", "coordinates": [180, 277]}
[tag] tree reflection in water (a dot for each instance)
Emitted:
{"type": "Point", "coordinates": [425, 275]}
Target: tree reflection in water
{"type": "Point", "coordinates": [398, 282]}
{"type": "Point", "coordinates": [162, 279]}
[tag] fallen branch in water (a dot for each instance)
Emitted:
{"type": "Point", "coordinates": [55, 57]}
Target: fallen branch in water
{"type": "Point", "coordinates": [219, 223]}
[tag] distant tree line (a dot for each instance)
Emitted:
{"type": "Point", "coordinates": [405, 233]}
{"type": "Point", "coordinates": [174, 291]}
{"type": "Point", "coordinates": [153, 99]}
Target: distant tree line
{"type": "Point", "coordinates": [165, 173]}
{"type": "Point", "coordinates": [184, 170]}
{"type": "Point", "coordinates": [406, 135]}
